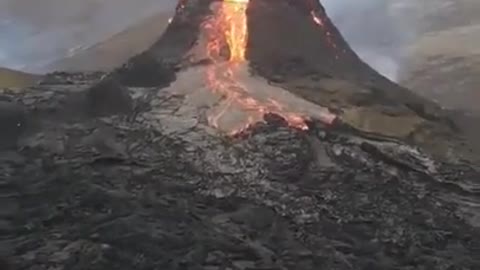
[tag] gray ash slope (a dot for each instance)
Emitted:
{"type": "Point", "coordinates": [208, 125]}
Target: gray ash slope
{"type": "Point", "coordinates": [99, 174]}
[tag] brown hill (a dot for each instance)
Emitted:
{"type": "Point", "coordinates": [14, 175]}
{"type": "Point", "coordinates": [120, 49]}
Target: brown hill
{"type": "Point", "coordinates": [445, 65]}
{"type": "Point", "coordinates": [12, 78]}
{"type": "Point", "coordinates": [444, 62]}
{"type": "Point", "coordinates": [116, 50]}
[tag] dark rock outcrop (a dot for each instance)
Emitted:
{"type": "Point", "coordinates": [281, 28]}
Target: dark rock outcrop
{"type": "Point", "coordinates": [108, 97]}
{"type": "Point", "coordinates": [12, 121]}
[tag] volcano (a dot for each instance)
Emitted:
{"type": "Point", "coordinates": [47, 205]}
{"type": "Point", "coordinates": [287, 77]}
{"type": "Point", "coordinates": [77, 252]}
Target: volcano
{"type": "Point", "coordinates": [255, 63]}
{"type": "Point", "coordinates": [250, 136]}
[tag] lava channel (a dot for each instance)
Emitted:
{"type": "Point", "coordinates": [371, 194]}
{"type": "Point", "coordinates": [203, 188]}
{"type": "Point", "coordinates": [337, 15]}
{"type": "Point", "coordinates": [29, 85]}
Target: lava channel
{"type": "Point", "coordinates": [228, 26]}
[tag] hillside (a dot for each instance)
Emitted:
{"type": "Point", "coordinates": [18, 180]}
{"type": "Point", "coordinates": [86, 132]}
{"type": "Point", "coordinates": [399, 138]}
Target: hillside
{"type": "Point", "coordinates": [444, 61]}
{"type": "Point", "coordinates": [115, 50]}
{"type": "Point", "coordinates": [13, 78]}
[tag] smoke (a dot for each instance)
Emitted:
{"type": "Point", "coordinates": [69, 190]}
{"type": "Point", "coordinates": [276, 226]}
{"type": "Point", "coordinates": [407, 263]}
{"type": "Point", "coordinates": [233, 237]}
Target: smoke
{"type": "Point", "coordinates": [378, 30]}
{"type": "Point", "coordinates": [35, 33]}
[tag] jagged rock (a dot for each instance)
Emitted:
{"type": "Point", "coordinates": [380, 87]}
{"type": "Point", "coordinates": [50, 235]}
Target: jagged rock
{"type": "Point", "coordinates": [109, 97]}
{"type": "Point", "coordinates": [63, 78]}
{"type": "Point", "coordinates": [143, 71]}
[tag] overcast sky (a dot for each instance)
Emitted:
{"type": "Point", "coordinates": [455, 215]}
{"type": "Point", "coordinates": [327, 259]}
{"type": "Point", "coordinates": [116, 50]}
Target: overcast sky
{"type": "Point", "coordinates": [378, 30]}
{"type": "Point", "coordinates": [33, 33]}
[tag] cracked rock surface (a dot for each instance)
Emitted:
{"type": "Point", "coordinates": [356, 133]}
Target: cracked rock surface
{"type": "Point", "coordinates": [151, 187]}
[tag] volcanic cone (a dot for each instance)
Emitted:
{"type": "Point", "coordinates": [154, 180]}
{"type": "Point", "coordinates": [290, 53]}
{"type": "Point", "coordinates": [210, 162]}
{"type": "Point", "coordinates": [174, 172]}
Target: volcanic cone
{"type": "Point", "coordinates": [260, 56]}
{"type": "Point", "coordinates": [235, 61]}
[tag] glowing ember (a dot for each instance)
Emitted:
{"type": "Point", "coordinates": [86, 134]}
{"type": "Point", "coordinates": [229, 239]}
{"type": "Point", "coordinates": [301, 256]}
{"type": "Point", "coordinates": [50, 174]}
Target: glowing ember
{"type": "Point", "coordinates": [228, 27]}
{"type": "Point", "coordinates": [319, 21]}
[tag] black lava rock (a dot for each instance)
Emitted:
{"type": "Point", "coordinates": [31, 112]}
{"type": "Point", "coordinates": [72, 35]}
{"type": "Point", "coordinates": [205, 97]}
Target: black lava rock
{"type": "Point", "coordinates": [12, 122]}
{"type": "Point", "coordinates": [109, 97]}
{"type": "Point", "coordinates": [145, 71]}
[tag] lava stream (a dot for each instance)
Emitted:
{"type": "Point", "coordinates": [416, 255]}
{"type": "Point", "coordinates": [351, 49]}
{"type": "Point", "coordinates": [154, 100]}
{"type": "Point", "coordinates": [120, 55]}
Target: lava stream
{"type": "Point", "coordinates": [228, 27]}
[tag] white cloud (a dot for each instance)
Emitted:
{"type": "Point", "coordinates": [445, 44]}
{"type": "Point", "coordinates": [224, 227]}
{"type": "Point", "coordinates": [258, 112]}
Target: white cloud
{"type": "Point", "coordinates": [375, 29]}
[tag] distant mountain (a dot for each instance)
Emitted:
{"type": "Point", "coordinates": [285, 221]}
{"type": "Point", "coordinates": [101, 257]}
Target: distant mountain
{"type": "Point", "coordinates": [114, 51]}
{"type": "Point", "coordinates": [444, 62]}
{"type": "Point", "coordinates": [14, 78]}
{"type": "Point", "coordinates": [446, 66]}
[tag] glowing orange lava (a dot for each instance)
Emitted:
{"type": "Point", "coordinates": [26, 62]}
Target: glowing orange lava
{"type": "Point", "coordinates": [328, 35]}
{"type": "Point", "coordinates": [320, 21]}
{"type": "Point", "coordinates": [228, 28]}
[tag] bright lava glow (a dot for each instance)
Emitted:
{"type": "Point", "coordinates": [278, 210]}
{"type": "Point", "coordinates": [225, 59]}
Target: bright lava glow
{"type": "Point", "coordinates": [228, 28]}
{"type": "Point", "coordinates": [328, 35]}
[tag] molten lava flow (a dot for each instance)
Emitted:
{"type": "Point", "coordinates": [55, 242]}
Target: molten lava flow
{"type": "Point", "coordinates": [228, 28]}
{"type": "Point", "coordinates": [236, 33]}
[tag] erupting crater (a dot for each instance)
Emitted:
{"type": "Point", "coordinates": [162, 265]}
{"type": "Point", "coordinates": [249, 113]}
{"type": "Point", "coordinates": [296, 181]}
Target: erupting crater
{"type": "Point", "coordinates": [234, 61]}
{"type": "Point", "coordinates": [228, 76]}
{"type": "Point", "coordinates": [217, 75]}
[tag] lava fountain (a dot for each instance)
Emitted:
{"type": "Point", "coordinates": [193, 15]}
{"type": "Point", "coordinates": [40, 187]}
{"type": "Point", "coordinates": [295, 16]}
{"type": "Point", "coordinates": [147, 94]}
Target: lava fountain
{"type": "Point", "coordinates": [228, 28]}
